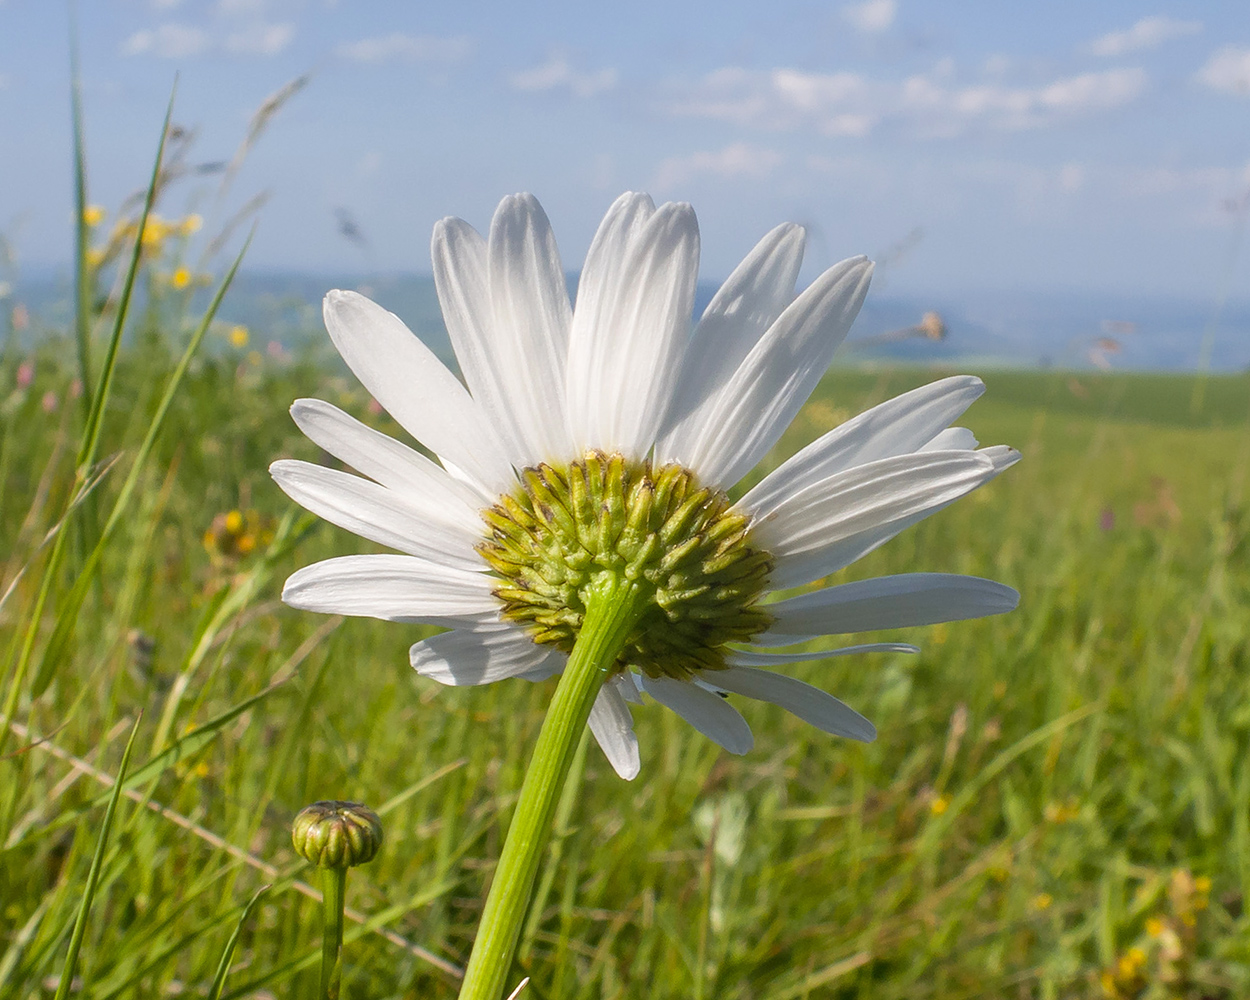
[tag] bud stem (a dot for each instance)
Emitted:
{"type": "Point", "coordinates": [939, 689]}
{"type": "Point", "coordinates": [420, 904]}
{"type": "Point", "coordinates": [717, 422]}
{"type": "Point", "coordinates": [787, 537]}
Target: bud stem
{"type": "Point", "coordinates": [333, 884]}
{"type": "Point", "coordinates": [613, 607]}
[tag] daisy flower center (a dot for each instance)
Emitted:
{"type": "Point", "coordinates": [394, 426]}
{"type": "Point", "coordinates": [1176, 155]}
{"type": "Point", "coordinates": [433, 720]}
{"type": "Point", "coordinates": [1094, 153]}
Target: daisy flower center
{"type": "Point", "coordinates": [682, 545]}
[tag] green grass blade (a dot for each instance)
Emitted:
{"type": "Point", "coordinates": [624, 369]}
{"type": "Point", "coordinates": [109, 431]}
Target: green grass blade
{"type": "Point", "coordinates": [219, 980]}
{"type": "Point", "coordinates": [194, 741]}
{"type": "Point", "coordinates": [91, 432]}
{"type": "Point", "coordinates": [67, 617]}
{"type": "Point", "coordinates": [93, 876]}
{"type": "Point", "coordinates": [90, 442]}
{"type": "Point", "coordinates": [82, 275]}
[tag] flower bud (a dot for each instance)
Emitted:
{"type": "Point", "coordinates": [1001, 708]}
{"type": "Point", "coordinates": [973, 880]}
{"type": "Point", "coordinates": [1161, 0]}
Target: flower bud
{"type": "Point", "coordinates": [337, 834]}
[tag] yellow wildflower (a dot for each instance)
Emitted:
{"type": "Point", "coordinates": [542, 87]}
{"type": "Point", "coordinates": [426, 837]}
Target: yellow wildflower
{"type": "Point", "coordinates": [1154, 926]}
{"type": "Point", "coordinates": [93, 215]}
{"type": "Point", "coordinates": [180, 278]}
{"type": "Point", "coordinates": [939, 805]}
{"type": "Point", "coordinates": [238, 335]}
{"type": "Point", "coordinates": [154, 232]}
{"type": "Point", "coordinates": [234, 522]}
{"type": "Point", "coordinates": [191, 224]}
{"type": "Point", "coordinates": [1043, 901]}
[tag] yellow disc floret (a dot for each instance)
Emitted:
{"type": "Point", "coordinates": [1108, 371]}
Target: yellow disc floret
{"type": "Point", "coordinates": [686, 548]}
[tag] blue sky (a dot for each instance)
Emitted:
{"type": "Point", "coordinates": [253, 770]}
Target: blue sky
{"type": "Point", "coordinates": [967, 146]}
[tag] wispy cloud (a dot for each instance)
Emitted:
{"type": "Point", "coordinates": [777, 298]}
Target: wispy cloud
{"type": "Point", "coordinates": [173, 40]}
{"type": "Point", "coordinates": [737, 160]}
{"type": "Point", "coordinates": [948, 111]}
{"type": "Point", "coordinates": [1228, 70]}
{"type": "Point", "coordinates": [872, 16]}
{"type": "Point", "coordinates": [168, 41]}
{"type": "Point", "coordinates": [261, 39]}
{"type": "Point", "coordinates": [849, 104]}
{"type": "Point", "coordinates": [557, 74]}
{"type": "Point", "coordinates": [779, 100]}
{"type": "Point", "coordinates": [398, 47]}
{"type": "Point", "coordinates": [1147, 33]}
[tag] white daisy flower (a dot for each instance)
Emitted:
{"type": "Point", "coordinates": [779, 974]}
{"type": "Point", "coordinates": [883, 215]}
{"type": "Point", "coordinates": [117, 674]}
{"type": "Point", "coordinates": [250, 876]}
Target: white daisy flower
{"type": "Point", "coordinates": [601, 439]}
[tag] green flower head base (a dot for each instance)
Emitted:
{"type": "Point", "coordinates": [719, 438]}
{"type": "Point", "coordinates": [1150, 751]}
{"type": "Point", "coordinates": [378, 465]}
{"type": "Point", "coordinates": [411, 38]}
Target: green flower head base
{"type": "Point", "coordinates": [686, 550]}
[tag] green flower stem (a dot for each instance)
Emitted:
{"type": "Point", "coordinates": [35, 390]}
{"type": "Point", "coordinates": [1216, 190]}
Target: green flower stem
{"type": "Point", "coordinates": [333, 884]}
{"type": "Point", "coordinates": [613, 607]}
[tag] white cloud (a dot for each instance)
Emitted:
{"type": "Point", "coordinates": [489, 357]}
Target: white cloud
{"type": "Point", "coordinates": [1071, 177]}
{"type": "Point", "coordinates": [872, 16]}
{"type": "Point", "coordinates": [737, 160]}
{"type": "Point", "coordinates": [168, 41]}
{"type": "Point", "coordinates": [261, 39]}
{"type": "Point", "coordinates": [557, 74]}
{"type": "Point", "coordinates": [944, 111]}
{"type": "Point", "coordinates": [235, 8]}
{"type": "Point", "coordinates": [847, 104]}
{"type": "Point", "coordinates": [779, 99]}
{"type": "Point", "coordinates": [1228, 70]}
{"type": "Point", "coordinates": [1147, 33]}
{"type": "Point", "coordinates": [409, 48]}
{"type": "Point", "coordinates": [1215, 182]}
{"type": "Point", "coordinates": [997, 65]}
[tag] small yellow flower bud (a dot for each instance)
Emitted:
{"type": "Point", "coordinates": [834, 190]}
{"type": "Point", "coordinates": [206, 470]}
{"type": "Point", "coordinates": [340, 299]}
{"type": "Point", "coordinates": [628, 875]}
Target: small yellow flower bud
{"type": "Point", "coordinates": [180, 278]}
{"type": "Point", "coordinates": [238, 335]}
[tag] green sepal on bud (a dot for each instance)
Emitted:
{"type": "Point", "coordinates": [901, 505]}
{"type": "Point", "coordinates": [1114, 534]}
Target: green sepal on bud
{"type": "Point", "coordinates": [337, 834]}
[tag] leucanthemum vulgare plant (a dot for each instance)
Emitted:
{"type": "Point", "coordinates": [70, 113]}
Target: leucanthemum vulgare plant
{"type": "Point", "coordinates": [579, 522]}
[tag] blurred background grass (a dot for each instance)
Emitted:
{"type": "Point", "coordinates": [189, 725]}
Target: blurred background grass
{"type": "Point", "coordinates": [1058, 804]}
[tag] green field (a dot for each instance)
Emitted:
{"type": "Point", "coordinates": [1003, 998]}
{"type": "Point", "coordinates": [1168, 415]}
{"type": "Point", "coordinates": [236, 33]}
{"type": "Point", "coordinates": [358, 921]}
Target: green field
{"type": "Point", "coordinates": [1058, 804]}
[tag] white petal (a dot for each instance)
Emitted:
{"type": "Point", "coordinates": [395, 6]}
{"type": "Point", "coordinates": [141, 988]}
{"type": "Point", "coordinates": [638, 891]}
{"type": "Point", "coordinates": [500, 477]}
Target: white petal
{"type": "Point", "coordinates": [743, 658]}
{"type": "Point", "coordinates": [810, 704]}
{"type": "Point", "coordinates": [952, 439]}
{"type": "Point", "coordinates": [832, 523]}
{"type": "Point", "coordinates": [613, 727]}
{"type": "Point", "coordinates": [407, 522]}
{"type": "Point", "coordinates": [711, 715]}
{"type": "Point", "coordinates": [483, 656]}
{"type": "Point", "coordinates": [532, 317]}
{"type": "Point", "coordinates": [462, 281]}
{"type": "Point", "coordinates": [891, 602]}
{"type": "Point", "coordinates": [749, 412]}
{"type": "Point", "coordinates": [631, 325]}
{"type": "Point", "coordinates": [629, 686]}
{"type": "Point", "coordinates": [1001, 455]}
{"type": "Point", "coordinates": [394, 588]}
{"type": "Point", "coordinates": [898, 426]}
{"type": "Point", "coordinates": [746, 305]}
{"type": "Point", "coordinates": [385, 460]}
{"type": "Point", "coordinates": [416, 388]}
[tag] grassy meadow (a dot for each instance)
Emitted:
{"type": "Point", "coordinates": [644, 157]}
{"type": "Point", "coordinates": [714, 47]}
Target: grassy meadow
{"type": "Point", "coordinates": [1058, 803]}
